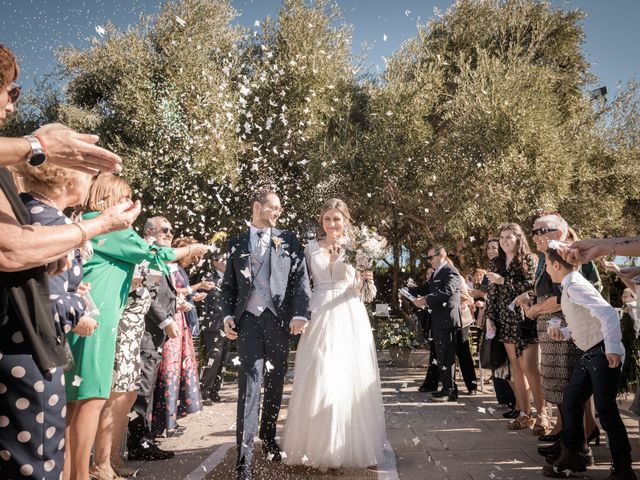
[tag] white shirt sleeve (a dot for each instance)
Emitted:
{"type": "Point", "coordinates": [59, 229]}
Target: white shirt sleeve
{"type": "Point", "coordinates": [586, 295]}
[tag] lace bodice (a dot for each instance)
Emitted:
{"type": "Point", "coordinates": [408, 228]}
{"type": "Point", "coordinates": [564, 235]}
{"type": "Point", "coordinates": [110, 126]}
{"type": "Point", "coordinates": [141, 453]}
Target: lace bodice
{"type": "Point", "coordinates": [339, 276]}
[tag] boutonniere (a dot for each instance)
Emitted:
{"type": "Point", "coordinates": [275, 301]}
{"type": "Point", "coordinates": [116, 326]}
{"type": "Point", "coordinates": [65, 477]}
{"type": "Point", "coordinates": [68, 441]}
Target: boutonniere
{"type": "Point", "coordinates": [277, 242]}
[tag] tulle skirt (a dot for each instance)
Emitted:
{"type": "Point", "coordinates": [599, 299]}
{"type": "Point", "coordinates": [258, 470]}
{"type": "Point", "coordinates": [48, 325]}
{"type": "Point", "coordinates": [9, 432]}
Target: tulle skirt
{"type": "Point", "coordinates": [336, 414]}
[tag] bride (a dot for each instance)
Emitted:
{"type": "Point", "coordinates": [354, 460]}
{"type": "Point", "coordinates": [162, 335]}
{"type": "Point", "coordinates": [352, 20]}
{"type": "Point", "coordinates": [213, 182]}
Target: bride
{"type": "Point", "coordinates": [336, 416]}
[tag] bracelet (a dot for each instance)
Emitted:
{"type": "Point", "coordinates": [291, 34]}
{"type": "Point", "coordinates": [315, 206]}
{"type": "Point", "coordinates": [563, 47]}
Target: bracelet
{"type": "Point", "coordinates": [83, 232]}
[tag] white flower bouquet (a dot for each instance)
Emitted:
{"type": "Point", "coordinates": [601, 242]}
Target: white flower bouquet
{"type": "Point", "coordinates": [361, 250]}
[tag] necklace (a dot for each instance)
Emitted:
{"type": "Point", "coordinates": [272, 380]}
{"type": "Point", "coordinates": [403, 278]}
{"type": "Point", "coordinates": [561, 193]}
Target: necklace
{"type": "Point", "coordinates": [44, 197]}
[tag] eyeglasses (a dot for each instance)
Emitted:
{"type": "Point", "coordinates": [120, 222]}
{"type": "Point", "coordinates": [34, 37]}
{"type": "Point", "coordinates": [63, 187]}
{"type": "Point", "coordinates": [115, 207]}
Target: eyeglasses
{"type": "Point", "coordinates": [429, 257]}
{"type": "Point", "coordinates": [543, 230]}
{"type": "Point", "coordinates": [166, 230]}
{"type": "Point", "coordinates": [14, 92]}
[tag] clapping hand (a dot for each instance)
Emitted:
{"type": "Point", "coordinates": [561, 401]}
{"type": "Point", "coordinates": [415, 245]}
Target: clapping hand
{"type": "Point", "coordinates": [198, 297]}
{"type": "Point", "coordinates": [555, 334]}
{"type": "Point", "coordinates": [495, 278]}
{"type": "Point", "coordinates": [420, 302]}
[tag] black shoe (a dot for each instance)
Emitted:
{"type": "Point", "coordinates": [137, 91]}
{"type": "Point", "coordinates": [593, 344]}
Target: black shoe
{"type": "Point", "coordinates": [215, 398]}
{"type": "Point", "coordinates": [620, 471]}
{"type": "Point", "coordinates": [272, 451]}
{"type": "Point", "coordinates": [207, 402]}
{"type": "Point", "coordinates": [568, 463]}
{"type": "Point", "coordinates": [472, 392]}
{"type": "Point", "coordinates": [176, 432]}
{"type": "Point", "coordinates": [595, 435]}
{"type": "Point", "coordinates": [444, 396]}
{"type": "Point", "coordinates": [550, 438]}
{"type": "Point", "coordinates": [244, 472]}
{"type": "Point", "coordinates": [553, 449]}
{"type": "Point", "coordinates": [149, 451]}
{"type": "Point", "coordinates": [513, 413]}
{"type": "Point", "coordinates": [424, 388]}
{"type": "Point", "coordinates": [586, 454]}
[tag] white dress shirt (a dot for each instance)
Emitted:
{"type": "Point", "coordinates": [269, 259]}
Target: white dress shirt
{"type": "Point", "coordinates": [583, 293]}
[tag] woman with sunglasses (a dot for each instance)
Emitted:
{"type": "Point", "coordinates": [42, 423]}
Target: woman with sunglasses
{"type": "Point", "coordinates": [543, 305]}
{"type": "Point", "coordinates": [32, 396]}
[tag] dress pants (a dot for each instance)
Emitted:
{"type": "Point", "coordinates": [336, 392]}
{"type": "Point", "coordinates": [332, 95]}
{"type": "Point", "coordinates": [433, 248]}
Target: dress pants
{"type": "Point", "coordinates": [263, 347]}
{"type": "Point", "coordinates": [433, 374]}
{"type": "Point", "coordinates": [140, 427]}
{"type": "Point", "coordinates": [463, 352]}
{"type": "Point", "coordinates": [592, 376]}
{"type": "Point", "coordinates": [217, 348]}
{"type": "Point", "coordinates": [445, 346]}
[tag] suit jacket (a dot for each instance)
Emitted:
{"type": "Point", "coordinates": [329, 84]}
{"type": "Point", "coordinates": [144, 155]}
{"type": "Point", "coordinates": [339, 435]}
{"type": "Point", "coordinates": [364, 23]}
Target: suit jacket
{"type": "Point", "coordinates": [163, 306]}
{"type": "Point", "coordinates": [442, 293]}
{"type": "Point", "coordinates": [213, 320]}
{"type": "Point", "coordinates": [289, 280]}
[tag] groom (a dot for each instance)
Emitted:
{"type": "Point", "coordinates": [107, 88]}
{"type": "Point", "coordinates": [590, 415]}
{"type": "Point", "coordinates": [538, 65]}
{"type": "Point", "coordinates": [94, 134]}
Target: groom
{"type": "Point", "coordinates": [265, 297]}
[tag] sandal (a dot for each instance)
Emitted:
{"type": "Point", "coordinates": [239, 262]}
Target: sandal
{"type": "Point", "coordinates": [540, 429]}
{"type": "Point", "coordinates": [522, 422]}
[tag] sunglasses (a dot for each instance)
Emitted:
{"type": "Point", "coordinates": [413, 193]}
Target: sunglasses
{"type": "Point", "coordinates": [541, 231]}
{"type": "Point", "coordinates": [429, 257]}
{"type": "Point", "coordinates": [14, 92]}
{"type": "Point", "coordinates": [166, 230]}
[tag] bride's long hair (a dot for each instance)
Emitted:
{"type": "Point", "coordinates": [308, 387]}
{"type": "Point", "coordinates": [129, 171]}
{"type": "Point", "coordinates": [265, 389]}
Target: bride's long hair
{"type": "Point", "coordinates": [343, 209]}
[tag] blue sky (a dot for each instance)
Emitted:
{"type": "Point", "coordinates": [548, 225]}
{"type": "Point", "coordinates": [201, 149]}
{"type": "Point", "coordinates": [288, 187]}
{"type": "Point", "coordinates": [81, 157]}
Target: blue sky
{"type": "Point", "coordinates": [35, 28]}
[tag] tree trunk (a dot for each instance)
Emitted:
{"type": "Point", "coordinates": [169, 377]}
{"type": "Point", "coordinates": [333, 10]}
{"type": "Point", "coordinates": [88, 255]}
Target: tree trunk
{"type": "Point", "coordinates": [394, 276]}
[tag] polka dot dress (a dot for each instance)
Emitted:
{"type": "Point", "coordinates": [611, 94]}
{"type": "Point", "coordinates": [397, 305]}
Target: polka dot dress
{"type": "Point", "coordinates": [32, 413]}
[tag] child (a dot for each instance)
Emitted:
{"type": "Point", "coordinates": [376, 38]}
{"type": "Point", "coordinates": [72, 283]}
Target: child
{"type": "Point", "coordinates": [594, 327]}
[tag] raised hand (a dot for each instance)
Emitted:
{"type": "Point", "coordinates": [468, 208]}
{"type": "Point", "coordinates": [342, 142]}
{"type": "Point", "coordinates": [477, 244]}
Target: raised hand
{"type": "Point", "coordinates": [70, 149]}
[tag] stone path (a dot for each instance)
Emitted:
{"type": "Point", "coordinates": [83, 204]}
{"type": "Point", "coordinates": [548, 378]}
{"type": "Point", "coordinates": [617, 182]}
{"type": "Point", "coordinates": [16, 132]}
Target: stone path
{"type": "Point", "coordinates": [462, 440]}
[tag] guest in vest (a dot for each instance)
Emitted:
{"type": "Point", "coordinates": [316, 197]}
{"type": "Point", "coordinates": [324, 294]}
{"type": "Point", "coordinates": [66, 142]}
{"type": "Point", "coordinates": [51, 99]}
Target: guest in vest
{"type": "Point", "coordinates": [594, 327]}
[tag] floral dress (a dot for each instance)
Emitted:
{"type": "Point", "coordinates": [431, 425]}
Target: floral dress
{"type": "Point", "coordinates": [519, 277]}
{"type": "Point", "coordinates": [127, 366]}
{"type": "Point", "coordinates": [177, 391]}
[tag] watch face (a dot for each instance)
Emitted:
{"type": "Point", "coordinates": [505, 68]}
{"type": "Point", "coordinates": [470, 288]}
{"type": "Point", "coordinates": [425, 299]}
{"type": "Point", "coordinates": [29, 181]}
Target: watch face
{"type": "Point", "coordinates": [37, 159]}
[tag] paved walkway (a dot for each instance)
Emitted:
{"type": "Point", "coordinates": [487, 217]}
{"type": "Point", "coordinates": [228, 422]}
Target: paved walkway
{"type": "Point", "coordinates": [467, 439]}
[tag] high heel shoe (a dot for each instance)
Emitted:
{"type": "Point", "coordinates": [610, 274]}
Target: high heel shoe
{"type": "Point", "coordinates": [595, 435]}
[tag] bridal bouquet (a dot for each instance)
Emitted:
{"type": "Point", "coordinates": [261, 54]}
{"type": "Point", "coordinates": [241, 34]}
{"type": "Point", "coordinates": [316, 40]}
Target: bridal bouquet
{"type": "Point", "coordinates": [361, 251]}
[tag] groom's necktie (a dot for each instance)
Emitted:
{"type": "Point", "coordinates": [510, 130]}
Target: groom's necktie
{"type": "Point", "coordinates": [259, 250]}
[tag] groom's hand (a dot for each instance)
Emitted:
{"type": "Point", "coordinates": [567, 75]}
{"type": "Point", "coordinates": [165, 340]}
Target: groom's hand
{"type": "Point", "coordinates": [297, 326]}
{"type": "Point", "coordinates": [229, 328]}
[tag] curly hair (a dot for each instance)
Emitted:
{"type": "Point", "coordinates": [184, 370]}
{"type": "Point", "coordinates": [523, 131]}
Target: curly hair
{"type": "Point", "coordinates": [9, 69]}
{"type": "Point", "coordinates": [522, 247]}
{"type": "Point", "coordinates": [46, 178]}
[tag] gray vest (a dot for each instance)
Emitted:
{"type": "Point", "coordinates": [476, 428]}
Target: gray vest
{"type": "Point", "coordinates": [260, 294]}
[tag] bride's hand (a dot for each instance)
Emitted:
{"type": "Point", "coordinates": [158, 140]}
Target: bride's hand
{"type": "Point", "coordinates": [298, 326]}
{"type": "Point", "coordinates": [367, 276]}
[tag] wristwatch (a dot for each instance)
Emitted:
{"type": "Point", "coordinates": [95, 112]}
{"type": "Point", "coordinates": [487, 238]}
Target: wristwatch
{"type": "Point", "coordinates": [37, 156]}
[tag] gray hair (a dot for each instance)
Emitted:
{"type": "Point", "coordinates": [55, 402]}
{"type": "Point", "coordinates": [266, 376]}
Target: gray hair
{"type": "Point", "coordinates": [151, 223]}
{"type": "Point", "coordinates": [557, 222]}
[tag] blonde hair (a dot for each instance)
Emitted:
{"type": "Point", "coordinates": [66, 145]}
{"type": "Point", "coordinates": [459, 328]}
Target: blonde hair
{"type": "Point", "coordinates": [106, 190]}
{"type": "Point", "coordinates": [46, 178]}
{"type": "Point", "coordinates": [342, 208]}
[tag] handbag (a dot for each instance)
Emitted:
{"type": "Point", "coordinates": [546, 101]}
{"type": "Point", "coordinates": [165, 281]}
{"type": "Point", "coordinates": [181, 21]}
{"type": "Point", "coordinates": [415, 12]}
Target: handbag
{"type": "Point", "coordinates": [527, 330]}
{"type": "Point", "coordinates": [493, 355]}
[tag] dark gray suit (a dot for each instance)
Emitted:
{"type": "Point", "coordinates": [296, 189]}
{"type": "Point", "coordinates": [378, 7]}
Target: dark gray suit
{"type": "Point", "coordinates": [217, 345]}
{"type": "Point", "coordinates": [163, 306]}
{"type": "Point", "coordinates": [263, 338]}
{"type": "Point", "coordinates": [442, 293]}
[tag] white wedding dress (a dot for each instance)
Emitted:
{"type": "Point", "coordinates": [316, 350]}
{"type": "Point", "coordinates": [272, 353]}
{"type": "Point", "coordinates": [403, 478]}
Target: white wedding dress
{"type": "Point", "coordinates": [336, 415]}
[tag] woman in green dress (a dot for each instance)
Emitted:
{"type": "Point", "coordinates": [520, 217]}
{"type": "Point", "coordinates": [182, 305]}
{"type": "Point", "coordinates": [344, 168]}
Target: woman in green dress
{"type": "Point", "coordinates": [109, 271]}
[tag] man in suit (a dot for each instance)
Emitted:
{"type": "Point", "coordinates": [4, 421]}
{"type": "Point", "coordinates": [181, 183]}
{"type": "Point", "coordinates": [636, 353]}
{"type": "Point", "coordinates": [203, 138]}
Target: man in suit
{"type": "Point", "coordinates": [441, 297]}
{"type": "Point", "coordinates": [215, 343]}
{"type": "Point", "coordinates": [265, 295]}
{"type": "Point", "coordinates": [159, 323]}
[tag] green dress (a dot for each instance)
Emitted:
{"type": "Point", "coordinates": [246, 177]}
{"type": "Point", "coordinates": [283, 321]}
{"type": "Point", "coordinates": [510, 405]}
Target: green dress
{"type": "Point", "coordinates": [110, 272]}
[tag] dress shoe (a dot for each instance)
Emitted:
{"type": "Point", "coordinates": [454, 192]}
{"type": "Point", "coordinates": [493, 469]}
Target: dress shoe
{"type": "Point", "coordinates": [215, 398]}
{"type": "Point", "coordinates": [444, 396]}
{"type": "Point", "coordinates": [149, 451]}
{"type": "Point", "coordinates": [550, 438]}
{"type": "Point", "coordinates": [513, 413]}
{"type": "Point", "coordinates": [427, 388]}
{"type": "Point", "coordinates": [621, 471]}
{"type": "Point", "coordinates": [553, 449]}
{"type": "Point", "coordinates": [472, 392]}
{"type": "Point", "coordinates": [568, 462]}
{"type": "Point", "coordinates": [594, 435]}
{"type": "Point", "coordinates": [245, 473]}
{"type": "Point", "coordinates": [174, 433]}
{"type": "Point", "coordinates": [586, 454]}
{"type": "Point", "coordinates": [272, 451]}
